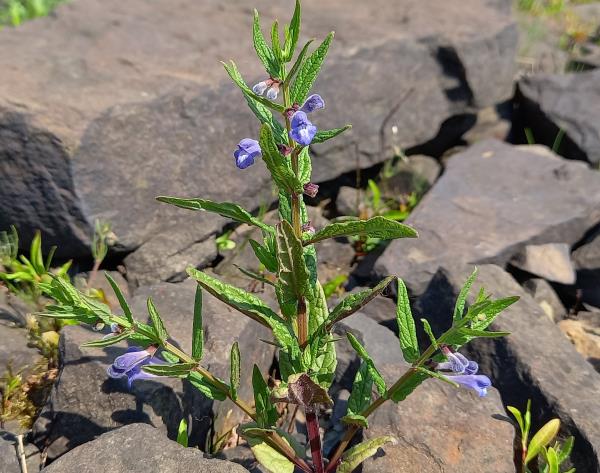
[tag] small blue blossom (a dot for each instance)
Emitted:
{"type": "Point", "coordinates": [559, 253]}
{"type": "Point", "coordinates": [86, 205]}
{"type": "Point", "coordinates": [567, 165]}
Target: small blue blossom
{"type": "Point", "coordinates": [464, 372]}
{"type": "Point", "coordinates": [479, 382]}
{"type": "Point", "coordinates": [248, 149]}
{"type": "Point", "coordinates": [312, 103]}
{"type": "Point", "coordinates": [130, 365]}
{"type": "Point", "coordinates": [260, 88]}
{"type": "Point", "coordinates": [273, 91]}
{"type": "Point", "coordinates": [303, 131]}
{"type": "Point", "coordinates": [458, 364]}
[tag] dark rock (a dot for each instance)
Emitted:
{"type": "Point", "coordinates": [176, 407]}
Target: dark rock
{"type": "Point", "coordinates": [477, 212]}
{"type": "Point", "coordinates": [568, 102]}
{"type": "Point", "coordinates": [543, 293]}
{"type": "Point", "coordinates": [158, 122]}
{"type": "Point", "coordinates": [137, 448]}
{"type": "Point", "coordinates": [587, 262]}
{"type": "Point", "coordinates": [417, 174]}
{"type": "Point", "coordinates": [551, 261]}
{"type": "Point", "coordinates": [536, 361]}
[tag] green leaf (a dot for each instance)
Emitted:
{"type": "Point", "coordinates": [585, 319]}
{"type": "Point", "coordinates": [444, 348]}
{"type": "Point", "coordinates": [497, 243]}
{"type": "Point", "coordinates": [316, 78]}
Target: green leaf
{"type": "Point", "coordinates": [565, 450]}
{"type": "Point", "coordinates": [254, 275]}
{"type": "Point", "coordinates": [429, 333]}
{"type": "Point", "coordinates": [169, 357]}
{"type": "Point", "coordinates": [266, 413]}
{"type": "Point", "coordinates": [461, 336]}
{"type": "Point", "coordinates": [408, 386]}
{"type": "Point", "coordinates": [277, 165]}
{"type": "Point", "coordinates": [361, 452]}
{"type": "Point", "coordinates": [436, 375]}
{"type": "Point", "coordinates": [407, 332]}
{"type": "Point", "coordinates": [493, 309]}
{"type": "Point", "coordinates": [293, 33]}
{"type": "Point", "coordinates": [178, 370]}
{"type": "Point", "coordinates": [325, 135]}
{"type": "Point", "coordinates": [234, 377]}
{"type": "Point", "coordinates": [376, 193]}
{"type": "Point", "coordinates": [235, 75]}
{"type": "Point", "coordinates": [309, 71]}
{"type": "Point", "coordinates": [182, 435]}
{"type": "Point", "coordinates": [459, 307]}
{"type": "Point", "coordinates": [206, 387]}
{"type": "Point", "coordinates": [270, 458]}
{"type": "Point", "coordinates": [265, 256]}
{"type": "Point", "coordinates": [296, 67]}
{"type": "Point", "coordinates": [292, 274]}
{"type": "Point", "coordinates": [275, 42]}
{"type": "Point", "coordinates": [354, 302]}
{"type": "Point", "coordinates": [376, 227]}
{"type": "Point", "coordinates": [519, 418]}
{"type": "Point", "coordinates": [304, 166]}
{"type": "Point", "coordinates": [263, 51]}
{"type": "Point", "coordinates": [360, 398]}
{"type": "Point", "coordinates": [224, 209]}
{"type": "Point", "coordinates": [197, 327]}
{"type": "Point", "coordinates": [374, 372]}
{"type": "Point", "coordinates": [542, 438]}
{"type": "Point", "coordinates": [121, 298]}
{"type": "Point", "coordinates": [105, 342]}
{"type": "Point", "coordinates": [35, 254]}
{"type": "Point", "coordinates": [355, 419]}
{"type": "Point", "coordinates": [157, 323]}
{"type": "Point", "coordinates": [552, 460]}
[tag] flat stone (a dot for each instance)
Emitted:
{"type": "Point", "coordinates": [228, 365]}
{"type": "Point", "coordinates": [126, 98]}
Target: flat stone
{"type": "Point", "coordinates": [551, 261]}
{"type": "Point", "coordinates": [536, 361]}
{"type": "Point", "coordinates": [138, 448]}
{"type": "Point", "coordinates": [479, 213]}
{"type": "Point", "coordinates": [543, 293]}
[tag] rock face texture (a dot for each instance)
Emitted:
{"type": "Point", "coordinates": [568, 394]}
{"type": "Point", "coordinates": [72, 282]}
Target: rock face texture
{"type": "Point", "coordinates": [138, 448]}
{"type": "Point", "coordinates": [105, 105]}
{"type": "Point", "coordinates": [492, 201]}
{"type": "Point", "coordinates": [536, 361]}
{"type": "Point", "coordinates": [566, 102]}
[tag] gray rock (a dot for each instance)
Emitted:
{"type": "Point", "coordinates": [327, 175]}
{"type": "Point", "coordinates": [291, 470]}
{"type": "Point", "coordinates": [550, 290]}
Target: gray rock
{"type": "Point", "coordinates": [587, 262]}
{"type": "Point", "coordinates": [536, 361]}
{"type": "Point", "coordinates": [349, 201]}
{"type": "Point", "coordinates": [138, 448]}
{"type": "Point", "coordinates": [551, 261]}
{"type": "Point", "coordinates": [488, 124]}
{"type": "Point", "coordinates": [568, 102]}
{"type": "Point", "coordinates": [9, 458]}
{"type": "Point", "coordinates": [13, 310]}
{"type": "Point", "coordinates": [439, 428]}
{"type": "Point", "coordinates": [9, 462]}
{"type": "Point", "coordinates": [159, 122]}
{"type": "Point", "coordinates": [15, 350]}
{"type": "Point", "coordinates": [543, 293]}
{"type": "Point", "coordinates": [417, 174]}
{"type": "Point", "coordinates": [478, 212]}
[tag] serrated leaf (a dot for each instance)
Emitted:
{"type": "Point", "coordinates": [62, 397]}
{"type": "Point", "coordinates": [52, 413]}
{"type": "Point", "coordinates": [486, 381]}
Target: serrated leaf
{"type": "Point", "coordinates": [325, 135]}
{"type": "Point", "coordinates": [309, 72]}
{"type": "Point", "coordinates": [197, 327]}
{"type": "Point", "coordinates": [542, 439]}
{"type": "Point", "coordinates": [376, 227]}
{"type": "Point", "coordinates": [375, 374]}
{"type": "Point", "coordinates": [364, 450]}
{"type": "Point", "coordinates": [206, 387]}
{"type": "Point", "coordinates": [360, 398]}
{"type": "Point", "coordinates": [264, 255]}
{"type": "Point", "coordinates": [234, 376]}
{"type": "Point", "coordinates": [280, 170]}
{"type": "Point", "coordinates": [271, 459]}
{"type": "Point", "coordinates": [293, 33]}
{"type": "Point", "coordinates": [157, 323]}
{"type": "Point", "coordinates": [178, 370]}
{"type": "Point", "coordinates": [235, 75]}
{"type": "Point", "coordinates": [105, 342]}
{"type": "Point", "coordinates": [292, 273]}
{"type": "Point", "coordinates": [296, 67]}
{"type": "Point", "coordinates": [462, 336]}
{"type": "Point", "coordinates": [266, 413]}
{"type": "Point", "coordinates": [408, 386]}
{"type": "Point", "coordinates": [275, 42]}
{"type": "Point", "coordinates": [485, 318]}
{"type": "Point", "coordinates": [429, 333]}
{"type": "Point", "coordinates": [459, 307]}
{"type": "Point", "coordinates": [304, 166]}
{"type": "Point", "coordinates": [182, 434]}
{"type": "Point", "coordinates": [355, 419]}
{"type": "Point", "coordinates": [120, 297]}
{"type": "Point", "coordinates": [169, 357]}
{"type": "Point", "coordinates": [263, 51]}
{"type": "Point", "coordinates": [407, 333]}
{"type": "Point", "coordinates": [354, 302]}
{"type": "Point", "coordinates": [224, 209]}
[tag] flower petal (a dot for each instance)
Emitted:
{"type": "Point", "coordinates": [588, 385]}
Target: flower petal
{"type": "Point", "coordinates": [132, 357]}
{"type": "Point", "coordinates": [314, 102]}
{"type": "Point", "coordinates": [478, 382]}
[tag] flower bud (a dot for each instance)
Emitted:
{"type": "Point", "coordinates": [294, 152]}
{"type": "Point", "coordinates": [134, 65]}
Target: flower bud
{"type": "Point", "coordinates": [273, 91]}
{"type": "Point", "coordinates": [308, 228]}
{"type": "Point", "coordinates": [260, 88]}
{"type": "Point", "coordinates": [284, 149]}
{"type": "Point", "coordinates": [311, 189]}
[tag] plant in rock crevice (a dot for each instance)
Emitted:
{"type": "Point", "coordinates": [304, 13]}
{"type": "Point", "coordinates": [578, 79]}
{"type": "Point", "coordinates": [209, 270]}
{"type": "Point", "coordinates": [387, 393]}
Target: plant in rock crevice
{"type": "Point", "coordinates": [302, 327]}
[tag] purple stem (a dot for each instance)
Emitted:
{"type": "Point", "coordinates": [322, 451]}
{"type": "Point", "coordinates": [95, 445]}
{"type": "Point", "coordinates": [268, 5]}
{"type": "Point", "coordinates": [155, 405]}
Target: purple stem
{"type": "Point", "coordinates": [314, 439]}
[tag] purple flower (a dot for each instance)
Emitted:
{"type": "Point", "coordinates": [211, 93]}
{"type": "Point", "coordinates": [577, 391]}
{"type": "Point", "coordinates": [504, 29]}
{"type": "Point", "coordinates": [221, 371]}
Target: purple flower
{"type": "Point", "coordinates": [311, 189]}
{"type": "Point", "coordinates": [247, 150]}
{"type": "Point", "coordinates": [459, 364]}
{"type": "Point", "coordinates": [260, 88]}
{"type": "Point", "coordinates": [303, 131]}
{"type": "Point", "coordinates": [464, 371]}
{"type": "Point", "coordinates": [314, 102]}
{"type": "Point", "coordinates": [130, 365]}
{"type": "Point", "coordinates": [273, 91]}
{"type": "Point", "coordinates": [478, 382]}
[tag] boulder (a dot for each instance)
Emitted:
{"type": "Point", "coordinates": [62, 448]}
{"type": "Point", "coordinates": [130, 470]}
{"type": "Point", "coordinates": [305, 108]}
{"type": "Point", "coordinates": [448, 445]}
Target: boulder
{"type": "Point", "coordinates": [551, 261]}
{"type": "Point", "coordinates": [478, 212]}
{"type": "Point", "coordinates": [584, 333]}
{"type": "Point", "coordinates": [543, 293]}
{"type": "Point", "coordinates": [105, 105]}
{"type": "Point", "coordinates": [415, 174]}
{"type": "Point", "coordinates": [9, 458]}
{"type": "Point", "coordinates": [587, 262]}
{"type": "Point", "coordinates": [15, 350]}
{"type": "Point", "coordinates": [349, 201]}
{"type": "Point", "coordinates": [536, 361]}
{"type": "Point", "coordinates": [567, 102]}
{"type": "Point", "coordinates": [138, 448]}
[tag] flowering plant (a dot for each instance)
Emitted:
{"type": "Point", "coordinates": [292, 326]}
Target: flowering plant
{"type": "Point", "coordinates": [302, 328]}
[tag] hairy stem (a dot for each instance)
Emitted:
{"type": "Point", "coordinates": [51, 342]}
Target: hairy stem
{"type": "Point", "coordinates": [314, 439]}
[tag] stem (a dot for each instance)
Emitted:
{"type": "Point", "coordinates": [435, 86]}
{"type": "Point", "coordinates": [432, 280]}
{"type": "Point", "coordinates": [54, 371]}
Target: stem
{"type": "Point", "coordinates": [314, 438]}
{"type": "Point", "coordinates": [94, 273]}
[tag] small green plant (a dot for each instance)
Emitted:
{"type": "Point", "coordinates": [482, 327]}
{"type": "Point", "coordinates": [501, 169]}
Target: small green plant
{"type": "Point", "coordinates": [224, 242]}
{"type": "Point", "coordinates": [536, 455]}
{"type": "Point", "coordinates": [15, 12]}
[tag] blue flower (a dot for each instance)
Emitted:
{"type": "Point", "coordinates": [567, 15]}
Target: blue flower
{"type": "Point", "coordinates": [130, 365]}
{"type": "Point", "coordinates": [312, 103]}
{"type": "Point", "coordinates": [248, 149]}
{"type": "Point", "coordinates": [464, 372]}
{"type": "Point", "coordinates": [478, 382]}
{"type": "Point", "coordinates": [459, 364]}
{"type": "Point", "coordinates": [273, 91]}
{"type": "Point", "coordinates": [260, 88]}
{"type": "Point", "coordinates": [303, 131]}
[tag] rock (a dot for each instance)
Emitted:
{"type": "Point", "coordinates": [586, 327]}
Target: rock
{"type": "Point", "coordinates": [9, 458]}
{"type": "Point", "coordinates": [551, 261]}
{"type": "Point", "coordinates": [242, 455]}
{"type": "Point", "coordinates": [584, 333]}
{"type": "Point", "coordinates": [128, 450]}
{"type": "Point", "coordinates": [157, 120]}
{"type": "Point", "coordinates": [568, 102]}
{"type": "Point", "coordinates": [13, 310]}
{"type": "Point", "coordinates": [417, 174]}
{"type": "Point", "coordinates": [100, 283]}
{"type": "Point", "coordinates": [587, 262]}
{"type": "Point", "coordinates": [15, 350]}
{"type": "Point", "coordinates": [543, 293]}
{"type": "Point", "coordinates": [439, 428]}
{"type": "Point", "coordinates": [85, 403]}
{"type": "Point", "coordinates": [536, 361]}
{"type": "Point", "coordinates": [349, 201]}
{"type": "Point", "coordinates": [478, 213]}
{"type": "Point", "coordinates": [490, 123]}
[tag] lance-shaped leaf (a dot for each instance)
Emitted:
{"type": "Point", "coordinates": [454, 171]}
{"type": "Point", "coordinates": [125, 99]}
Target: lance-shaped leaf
{"type": "Point", "coordinates": [360, 398]}
{"type": "Point", "coordinates": [266, 413]}
{"type": "Point", "coordinates": [354, 302]}
{"type": "Point", "coordinates": [120, 297]}
{"type": "Point", "coordinates": [265, 256]}
{"type": "Point", "coordinates": [376, 227]}
{"type": "Point", "coordinates": [206, 387]}
{"type": "Point", "coordinates": [224, 209]}
{"type": "Point", "coordinates": [325, 135]}
{"type": "Point", "coordinates": [178, 370]}
{"type": "Point", "coordinates": [182, 434]}
{"type": "Point", "coordinates": [304, 166]}
{"type": "Point", "coordinates": [234, 376]}
{"type": "Point", "coordinates": [462, 336]}
{"type": "Point", "coordinates": [309, 71]}
{"type": "Point", "coordinates": [157, 323]}
{"type": "Point", "coordinates": [263, 51]}
{"type": "Point", "coordinates": [375, 374]}
{"type": "Point", "coordinates": [410, 384]}
{"type": "Point", "coordinates": [235, 75]}
{"type": "Point", "coordinates": [254, 275]}
{"type": "Point", "coordinates": [282, 174]}
{"type": "Point", "coordinates": [296, 67]}
{"type": "Point", "coordinates": [107, 341]}
{"type": "Point", "coordinates": [268, 457]}
{"type": "Point", "coordinates": [429, 332]}
{"type": "Point", "coordinates": [197, 328]}
{"type": "Point", "coordinates": [275, 42]}
{"type": "Point", "coordinates": [355, 419]}
{"type": "Point", "coordinates": [292, 33]}
{"type": "Point", "coordinates": [359, 453]}
{"type": "Point", "coordinates": [487, 315]}
{"type": "Point", "coordinates": [407, 333]}
{"type": "Point", "coordinates": [459, 307]}
{"type": "Point", "coordinates": [542, 439]}
{"type": "Point", "coordinates": [292, 274]}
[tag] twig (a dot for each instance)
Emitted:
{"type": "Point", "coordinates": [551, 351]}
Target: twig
{"type": "Point", "coordinates": [21, 453]}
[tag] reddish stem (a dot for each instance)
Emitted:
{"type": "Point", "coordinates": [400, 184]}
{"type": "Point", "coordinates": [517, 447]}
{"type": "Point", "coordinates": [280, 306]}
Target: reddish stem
{"type": "Point", "coordinates": [314, 439]}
